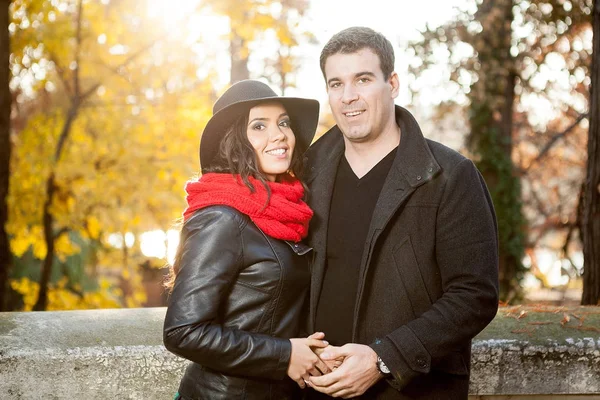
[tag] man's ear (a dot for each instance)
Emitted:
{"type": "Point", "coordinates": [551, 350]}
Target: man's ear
{"type": "Point", "coordinates": [394, 83]}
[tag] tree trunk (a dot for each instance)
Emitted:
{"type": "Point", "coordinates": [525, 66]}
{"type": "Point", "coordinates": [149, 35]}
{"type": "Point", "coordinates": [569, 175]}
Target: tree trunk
{"type": "Point", "coordinates": [591, 210]}
{"type": "Point", "coordinates": [490, 139]}
{"type": "Point", "coordinates": [281, 68]}
{"type": "Point", "coordinates": [125, 280]}
{"type": "Point", "coordinates": [48, 218]}
{"type": "Point", "coordinates": [5, 149]}
{"type": "Point", "coordinates": [48, 224]}
{"type": "Point", "coordinates": [239, 59]}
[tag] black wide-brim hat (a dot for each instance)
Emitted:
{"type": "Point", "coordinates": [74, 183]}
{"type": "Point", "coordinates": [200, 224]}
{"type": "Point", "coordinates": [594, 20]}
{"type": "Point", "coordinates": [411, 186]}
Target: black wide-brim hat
{"type": "Point", "coordinates": [239, 99]}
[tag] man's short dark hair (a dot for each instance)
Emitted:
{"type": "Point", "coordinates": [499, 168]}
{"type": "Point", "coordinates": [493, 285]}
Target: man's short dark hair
{"type": "Point", "coordinates": [353, 39]}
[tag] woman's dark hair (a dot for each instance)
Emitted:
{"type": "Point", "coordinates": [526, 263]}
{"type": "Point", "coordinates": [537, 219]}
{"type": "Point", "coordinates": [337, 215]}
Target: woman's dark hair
{"type": "Point", "coordinates": [236, 156]}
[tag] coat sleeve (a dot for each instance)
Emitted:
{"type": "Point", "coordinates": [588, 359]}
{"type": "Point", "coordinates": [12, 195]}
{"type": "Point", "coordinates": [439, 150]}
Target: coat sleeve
{"type": "Point", "coordinates": [210, 257]}
{"type": "Point", "coordinates": [467, 257]}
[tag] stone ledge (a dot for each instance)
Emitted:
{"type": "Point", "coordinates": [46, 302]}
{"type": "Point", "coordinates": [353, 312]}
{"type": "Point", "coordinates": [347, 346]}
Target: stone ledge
{"type": "Point", "coordinates": [93, 354]}
{"type": "Point", "coordinates": [538, 350]}
{"type": "Point", "coordinates": [525, 353]}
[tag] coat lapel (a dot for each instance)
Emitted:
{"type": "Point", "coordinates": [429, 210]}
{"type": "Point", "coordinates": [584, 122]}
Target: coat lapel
{"type": "Point", "coordinates": [321, 179]}
{"type": "Point", "coordinates": [413, 166]}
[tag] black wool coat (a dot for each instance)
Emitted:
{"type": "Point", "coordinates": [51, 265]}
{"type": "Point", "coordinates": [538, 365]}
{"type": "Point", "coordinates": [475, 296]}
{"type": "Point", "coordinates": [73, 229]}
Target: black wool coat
{"type": "Point", "coordinates": [428, 280]}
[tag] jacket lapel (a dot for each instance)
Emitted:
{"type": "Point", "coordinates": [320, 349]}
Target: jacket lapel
{"type": "Point", "coordinates": [413, 166]}
{"type": "Point", "coordinates": [321, 179]}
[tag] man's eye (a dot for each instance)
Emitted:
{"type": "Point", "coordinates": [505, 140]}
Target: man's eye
{"type": "Point", "coordinates": [335, 85]}
{"type": "Point", "coordinates": [363, 80]}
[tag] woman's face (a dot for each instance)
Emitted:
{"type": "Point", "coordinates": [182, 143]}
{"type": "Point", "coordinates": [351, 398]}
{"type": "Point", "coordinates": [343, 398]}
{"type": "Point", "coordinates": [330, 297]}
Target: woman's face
{"type": "Point", "coordinates": [271, 136]}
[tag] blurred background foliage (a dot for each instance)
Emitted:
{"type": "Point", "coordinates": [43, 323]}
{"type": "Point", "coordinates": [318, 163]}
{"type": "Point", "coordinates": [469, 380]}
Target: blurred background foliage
{"type": "Point", "coordinates": [108, 101]}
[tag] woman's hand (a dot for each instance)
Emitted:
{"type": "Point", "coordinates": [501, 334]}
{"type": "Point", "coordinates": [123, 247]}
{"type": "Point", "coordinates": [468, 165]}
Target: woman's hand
{"type": "Point", "coordinates": [303, 361]}
{"type": "Point", "coordinates": [333, 363]}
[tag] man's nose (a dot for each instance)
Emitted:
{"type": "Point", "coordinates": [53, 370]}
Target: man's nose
{"type": "Point", "coordinates": [349, 95]}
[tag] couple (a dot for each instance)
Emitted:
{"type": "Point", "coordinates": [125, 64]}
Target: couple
{"type": "Point", "coordinates": [399, 269]}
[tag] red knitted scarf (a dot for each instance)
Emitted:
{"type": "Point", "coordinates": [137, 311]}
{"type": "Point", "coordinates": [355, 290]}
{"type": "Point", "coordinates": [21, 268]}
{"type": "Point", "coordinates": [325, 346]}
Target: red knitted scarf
{"type": "Point", "coordinates": [285, 217]}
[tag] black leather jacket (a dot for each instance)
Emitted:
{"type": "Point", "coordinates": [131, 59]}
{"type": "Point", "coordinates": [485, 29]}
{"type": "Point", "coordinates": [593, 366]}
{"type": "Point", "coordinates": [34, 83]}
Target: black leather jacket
{"type": "Point", "coordinates": [238, 296]}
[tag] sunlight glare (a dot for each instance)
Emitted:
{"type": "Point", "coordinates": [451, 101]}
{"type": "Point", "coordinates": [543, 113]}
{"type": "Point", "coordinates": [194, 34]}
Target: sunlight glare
{"type": "Point", "coordinates": [152, 243]}
{"type": "Point", "coordinates": [159, 244]}
{"type": "Point", "coordinates": [190, 22]}
{"type": "Point", "coordinates": [170, 13]}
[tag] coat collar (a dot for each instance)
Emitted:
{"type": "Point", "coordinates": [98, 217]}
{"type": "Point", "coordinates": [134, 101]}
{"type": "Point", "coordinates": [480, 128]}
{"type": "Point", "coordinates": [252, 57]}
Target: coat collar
{"type": "Point", "coordinates": [414, 160]}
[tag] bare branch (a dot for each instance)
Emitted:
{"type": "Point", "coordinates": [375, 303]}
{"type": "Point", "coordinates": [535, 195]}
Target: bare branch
{"type": "Point", "coordinates": [133, 56]}
{"type": "Point", "coordinates": [555, 138]}
{"type": "Point", "coordinates": [77, 48]}
{"type": "Point", "coordinates": [61, 75]}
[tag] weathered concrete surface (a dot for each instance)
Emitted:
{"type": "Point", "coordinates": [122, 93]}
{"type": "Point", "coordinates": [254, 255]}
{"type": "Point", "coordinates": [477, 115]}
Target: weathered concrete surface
{"type": "Point", "coordinates": [538, 350]}
{"type": "Point", "coordinates": [526, 353]}
{"type": "Point", "coordinates": [99, 354]}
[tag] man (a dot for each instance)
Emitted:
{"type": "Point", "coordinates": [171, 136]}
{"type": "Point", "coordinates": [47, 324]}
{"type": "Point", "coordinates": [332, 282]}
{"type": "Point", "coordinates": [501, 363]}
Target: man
{"type": "Point", "coordinates": [405, 268]}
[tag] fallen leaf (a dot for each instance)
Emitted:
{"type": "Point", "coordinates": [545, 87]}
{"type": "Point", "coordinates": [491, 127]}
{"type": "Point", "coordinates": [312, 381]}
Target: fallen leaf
{"type": "Point", "coordinates": [524, 330]}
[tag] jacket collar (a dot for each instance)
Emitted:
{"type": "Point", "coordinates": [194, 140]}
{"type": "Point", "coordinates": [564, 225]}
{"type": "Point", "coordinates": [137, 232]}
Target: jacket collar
{"type": "Point", "coordinates": [414, 160]}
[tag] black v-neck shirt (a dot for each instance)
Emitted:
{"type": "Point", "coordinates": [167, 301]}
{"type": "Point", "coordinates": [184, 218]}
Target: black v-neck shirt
{"type": "Point", "coordinates": [352, 206]}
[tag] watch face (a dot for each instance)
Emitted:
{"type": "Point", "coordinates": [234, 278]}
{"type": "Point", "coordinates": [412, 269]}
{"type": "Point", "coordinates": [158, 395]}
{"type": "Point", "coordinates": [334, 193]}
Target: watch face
{"type": "Point", "coordinates": [382, 367]}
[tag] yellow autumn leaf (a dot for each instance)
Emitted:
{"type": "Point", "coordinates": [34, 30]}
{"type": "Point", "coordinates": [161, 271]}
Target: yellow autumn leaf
{"type": "Point", "coordinates": [39, 249]}
{"type": "Point", "coordinates": [93, 227]}
{"type": "Point", "coordinates": [19, 245]}
{"type": "Point", "coordinates": [64, 247]}
{"type": "Point", "coordinates": [163, 175]}
{"type": "Point", "coordinates": [29, 291]}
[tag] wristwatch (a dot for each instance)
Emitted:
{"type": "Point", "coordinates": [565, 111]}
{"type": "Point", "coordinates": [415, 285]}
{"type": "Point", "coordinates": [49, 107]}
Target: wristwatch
{"type": "Point", "coordinates": [382, 367]}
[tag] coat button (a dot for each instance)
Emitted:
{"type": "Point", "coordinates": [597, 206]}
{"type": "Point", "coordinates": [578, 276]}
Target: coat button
{"type": "Point", "coordinates": [418, 177]}
{"type": "Point", "coordinates": [421, 363]}
{"type": "Point", "coordinates": [430, 169]}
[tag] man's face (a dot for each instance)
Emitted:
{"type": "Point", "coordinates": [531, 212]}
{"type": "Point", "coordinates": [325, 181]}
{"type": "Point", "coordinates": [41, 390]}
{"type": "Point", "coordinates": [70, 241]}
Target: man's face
{"type": "Point", "coordinates": [361, 98]}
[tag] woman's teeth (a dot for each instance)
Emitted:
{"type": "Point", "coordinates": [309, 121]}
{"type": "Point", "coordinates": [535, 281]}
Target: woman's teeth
{"type": "Point", "coordinates": [276, 152]}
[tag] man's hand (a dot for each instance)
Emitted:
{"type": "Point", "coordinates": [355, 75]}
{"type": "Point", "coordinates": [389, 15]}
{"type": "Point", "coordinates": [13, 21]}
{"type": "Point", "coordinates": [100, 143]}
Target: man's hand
{"type": "Point", "coordinates": [357, 373]}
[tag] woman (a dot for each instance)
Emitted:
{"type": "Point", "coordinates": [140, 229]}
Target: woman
{"type": "Point", "coordinates": [242, 272]}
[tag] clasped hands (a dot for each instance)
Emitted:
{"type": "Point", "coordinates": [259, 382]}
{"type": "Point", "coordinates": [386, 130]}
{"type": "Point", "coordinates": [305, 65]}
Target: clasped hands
{"type": "Point", "coordinates": [346, 371]}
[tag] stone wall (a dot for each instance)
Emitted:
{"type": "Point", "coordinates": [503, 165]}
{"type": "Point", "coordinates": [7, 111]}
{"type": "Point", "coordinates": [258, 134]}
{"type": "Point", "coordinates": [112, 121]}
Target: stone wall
{"type": "Point", "coordinates": [526, 353]}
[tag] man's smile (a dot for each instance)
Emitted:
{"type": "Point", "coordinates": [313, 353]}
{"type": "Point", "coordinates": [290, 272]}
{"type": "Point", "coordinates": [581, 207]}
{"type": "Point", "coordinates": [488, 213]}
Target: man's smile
{"type": "Point", "coordinates": [353, 113]}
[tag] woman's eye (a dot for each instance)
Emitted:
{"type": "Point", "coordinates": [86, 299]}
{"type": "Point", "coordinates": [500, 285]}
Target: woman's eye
{"type": "Point", "coordinates": [258, 127]}
{"type": "Point", "coordinates": [285, 123]}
